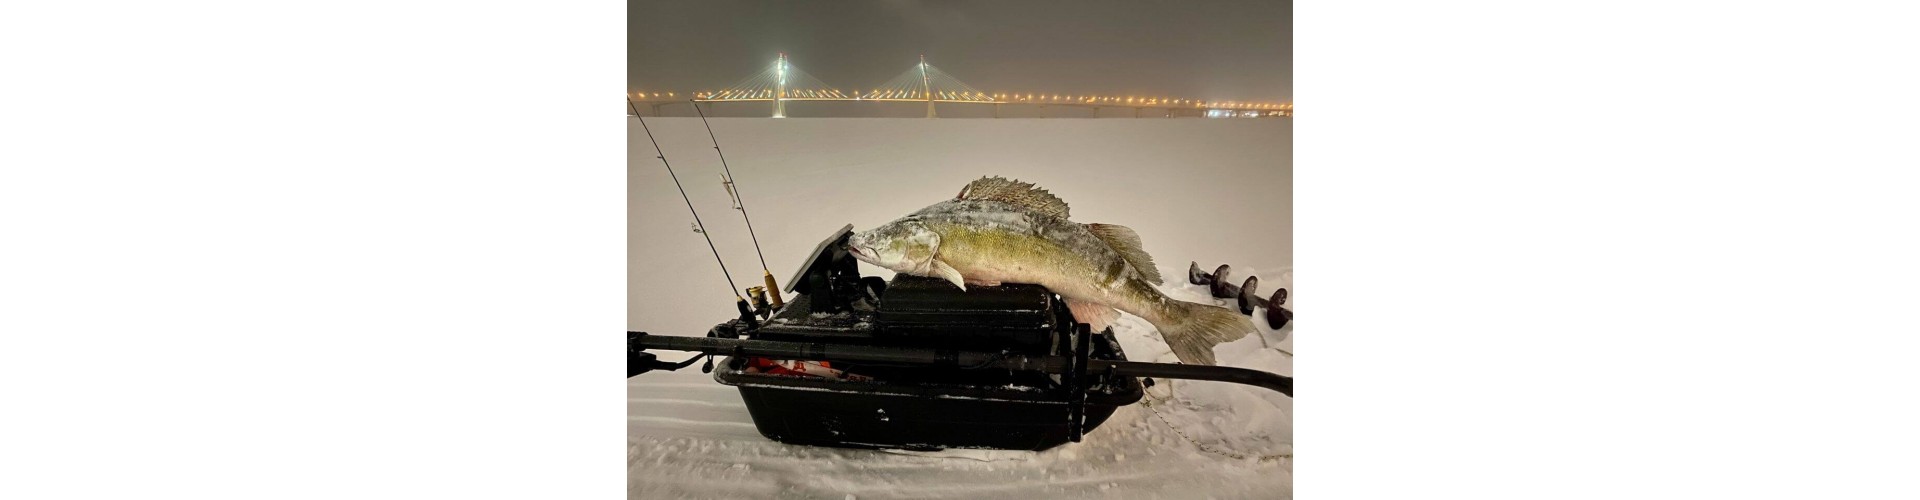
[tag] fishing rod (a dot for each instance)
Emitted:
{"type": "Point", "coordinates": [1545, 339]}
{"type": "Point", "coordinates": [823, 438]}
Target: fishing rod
{"type": "Point", "coordinates": [702, 228]}
{"type": "Point", "coordinates": [1077, 363]}
{"type": "Point", "coordinates": [733, 189]}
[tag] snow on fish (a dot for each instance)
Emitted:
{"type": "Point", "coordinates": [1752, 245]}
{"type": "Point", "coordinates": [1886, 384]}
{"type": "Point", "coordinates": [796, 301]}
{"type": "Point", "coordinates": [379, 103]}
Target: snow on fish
{"type": "Point", "coordinates": [1006, 231]}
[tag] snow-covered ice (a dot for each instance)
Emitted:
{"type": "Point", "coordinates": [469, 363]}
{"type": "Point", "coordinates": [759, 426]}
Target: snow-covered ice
{"type": "Point", "coordinates": [1212, 191]}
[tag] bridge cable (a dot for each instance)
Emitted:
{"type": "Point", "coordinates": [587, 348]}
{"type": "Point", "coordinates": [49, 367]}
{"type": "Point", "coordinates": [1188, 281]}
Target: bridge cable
{"type": "Point", "coordinates": [683, 196]}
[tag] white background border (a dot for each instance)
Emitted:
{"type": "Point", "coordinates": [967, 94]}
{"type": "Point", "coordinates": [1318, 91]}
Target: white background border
{"type": "Point", "coordinates": [312, 250]}
{"type": "Point", "coordinates": [1557, 250]}
{"type": "Point", "coordinates": [1606, 249]}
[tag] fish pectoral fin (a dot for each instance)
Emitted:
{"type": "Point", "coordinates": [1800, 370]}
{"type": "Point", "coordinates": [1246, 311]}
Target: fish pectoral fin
{"type": "Point", "coordinates": [1123, 240]}
{"type": "Point", "coordinates": [1097, 316]}
{"type": "Point", "coordinates": [941, 269]}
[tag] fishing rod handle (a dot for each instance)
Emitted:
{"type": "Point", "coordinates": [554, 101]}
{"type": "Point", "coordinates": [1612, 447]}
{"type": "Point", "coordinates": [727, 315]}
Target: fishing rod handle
{"type": "Point", "coordinates": [1256, 378]}
{"type": "Point", "coordinates": [811, 351]}
{"type": "Point", "coordinates": [816, 351]}
{"type": "Point", "coordinates": [773, 289]}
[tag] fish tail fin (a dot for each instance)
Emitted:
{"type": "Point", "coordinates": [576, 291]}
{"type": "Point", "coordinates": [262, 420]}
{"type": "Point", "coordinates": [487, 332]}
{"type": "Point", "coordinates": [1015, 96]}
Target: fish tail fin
{"type": "Point", "coordinates": [1193, 329]}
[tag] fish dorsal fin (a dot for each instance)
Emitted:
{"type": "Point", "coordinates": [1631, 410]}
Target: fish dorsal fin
{"type": "Point", "coordinates": [1024, 195]}
{"type": "Point", "coordinates": [1127, 242]}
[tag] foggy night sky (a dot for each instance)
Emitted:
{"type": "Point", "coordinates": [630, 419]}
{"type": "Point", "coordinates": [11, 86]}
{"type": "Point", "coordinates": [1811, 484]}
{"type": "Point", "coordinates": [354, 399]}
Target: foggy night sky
{"type": "Point", "coordinates": [1207, 49]}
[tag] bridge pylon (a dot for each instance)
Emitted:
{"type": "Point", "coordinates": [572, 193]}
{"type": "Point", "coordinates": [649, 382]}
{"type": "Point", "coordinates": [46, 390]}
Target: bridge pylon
{"type": "Point", "coordinates": [780, 88]}
{"type": "Point", "coordinates": [933, 86]}
{"type": "Point", "coordinates": [926, 85]}
{"type": "Point", "coordinates": [777, 83]}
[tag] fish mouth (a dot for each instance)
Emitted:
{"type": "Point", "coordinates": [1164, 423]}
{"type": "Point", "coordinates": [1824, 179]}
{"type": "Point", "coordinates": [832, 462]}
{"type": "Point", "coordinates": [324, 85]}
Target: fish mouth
{"type": "Point", "coordinates": [859, 254]}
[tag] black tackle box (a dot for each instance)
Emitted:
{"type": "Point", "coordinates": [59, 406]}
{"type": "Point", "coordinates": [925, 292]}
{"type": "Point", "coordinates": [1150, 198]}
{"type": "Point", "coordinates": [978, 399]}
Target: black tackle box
{"type": "Point", "coordinates": [927, 409]}
{"type": "Point", "coordinates": [930, 312]}
{"type": "Point", "coordinates": [921, 407]}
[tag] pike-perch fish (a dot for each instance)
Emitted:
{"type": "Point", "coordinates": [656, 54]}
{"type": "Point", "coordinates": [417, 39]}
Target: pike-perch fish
{"type": "Point", "coordinates": [1005, 231]}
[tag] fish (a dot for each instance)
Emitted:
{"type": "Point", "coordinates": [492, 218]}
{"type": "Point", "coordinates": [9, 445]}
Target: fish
{"type": "Point", "coordinates": [999, 230]}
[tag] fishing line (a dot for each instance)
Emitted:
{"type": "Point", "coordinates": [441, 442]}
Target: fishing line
{"type": "Point", "coordinates": [1150, 404]}
{"type": "Point", "coordinates": [736, 186]}
{"type": "Point", "coordinates": [683, 196]}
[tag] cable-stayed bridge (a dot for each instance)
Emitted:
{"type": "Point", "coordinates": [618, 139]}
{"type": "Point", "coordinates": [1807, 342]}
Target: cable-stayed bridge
{"type": "Point", "coordinates": [781, 83]}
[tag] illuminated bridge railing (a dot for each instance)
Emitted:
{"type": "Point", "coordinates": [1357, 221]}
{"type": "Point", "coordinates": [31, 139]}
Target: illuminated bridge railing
{"type": "Point", "coordinates": [781, 82]}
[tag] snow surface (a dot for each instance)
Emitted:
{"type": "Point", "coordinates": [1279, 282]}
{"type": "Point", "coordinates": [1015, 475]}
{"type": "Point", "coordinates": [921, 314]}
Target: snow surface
{"type": "Point", "coordinates": [1212, 191]}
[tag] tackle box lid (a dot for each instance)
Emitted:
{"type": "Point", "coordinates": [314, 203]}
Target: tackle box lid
{"type": "Point", "coordinates": [932, 303]}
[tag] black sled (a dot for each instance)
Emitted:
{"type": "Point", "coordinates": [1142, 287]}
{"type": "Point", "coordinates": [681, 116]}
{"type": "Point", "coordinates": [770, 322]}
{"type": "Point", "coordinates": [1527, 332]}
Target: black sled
{"type": "Point", "coordinates": [929, 366]}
